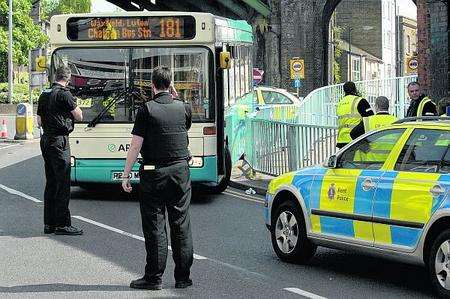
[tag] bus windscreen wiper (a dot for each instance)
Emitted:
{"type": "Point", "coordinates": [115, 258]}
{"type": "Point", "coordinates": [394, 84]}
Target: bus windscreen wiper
{"type": "Point", "coordinates": [99, 116]}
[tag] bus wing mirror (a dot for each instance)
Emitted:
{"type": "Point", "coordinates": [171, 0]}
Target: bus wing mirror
{"type": "Point", "coordinates": [225, 59]}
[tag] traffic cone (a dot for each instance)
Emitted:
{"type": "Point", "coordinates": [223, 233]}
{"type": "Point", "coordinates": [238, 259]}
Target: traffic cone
{"type": "Point", "coordinates": [3, 130]}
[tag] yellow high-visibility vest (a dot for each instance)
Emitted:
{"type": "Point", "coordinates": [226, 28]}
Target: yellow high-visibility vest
{"type": "Point", "coordinates": [422, 103]}
{"type": "Point", "coordinates": [348, 117]}
{"type": "Point", "coordinates": [377, 121]}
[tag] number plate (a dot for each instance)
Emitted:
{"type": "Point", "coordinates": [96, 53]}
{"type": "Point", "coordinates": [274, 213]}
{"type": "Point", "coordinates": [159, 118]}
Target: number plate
{"type": "Point", "coordinates": [117, 176]}
{"type": "Point", "coordinates": [84, 103]}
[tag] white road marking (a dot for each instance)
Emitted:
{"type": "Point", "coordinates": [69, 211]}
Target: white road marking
{"type": "Point", "coordinates": [15, 192]}
{"type": "Point", "coordinates": [304, 293]}
{"type": "Point", "coordinates": [196, 256]}
{"type": "Point", "coordinates": [8, 146]}
{"type": "Point", "coordinates": [119, 231]}
{"type": "Point", "coordinates": [244, 196]}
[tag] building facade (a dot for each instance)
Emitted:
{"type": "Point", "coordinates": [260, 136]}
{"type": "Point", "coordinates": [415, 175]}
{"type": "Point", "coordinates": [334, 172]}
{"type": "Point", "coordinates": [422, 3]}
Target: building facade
{"type": "Point", "coordinates": [407, 63]}
{"type": "Point", "coordinates": [368, 30]}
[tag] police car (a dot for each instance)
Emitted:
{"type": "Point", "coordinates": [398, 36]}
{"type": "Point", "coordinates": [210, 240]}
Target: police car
{"type": "Point", "coordinates": [385, 193]}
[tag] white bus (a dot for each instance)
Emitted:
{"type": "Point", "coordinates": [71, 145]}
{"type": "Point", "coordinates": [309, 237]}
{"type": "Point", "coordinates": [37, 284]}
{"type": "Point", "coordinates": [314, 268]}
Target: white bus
{"type": "Point", "coordinates": [112, 57]}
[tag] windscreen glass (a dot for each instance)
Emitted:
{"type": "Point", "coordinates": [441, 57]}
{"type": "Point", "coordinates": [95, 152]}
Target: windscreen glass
{"type": "Point", "coordinates": [115, 82]}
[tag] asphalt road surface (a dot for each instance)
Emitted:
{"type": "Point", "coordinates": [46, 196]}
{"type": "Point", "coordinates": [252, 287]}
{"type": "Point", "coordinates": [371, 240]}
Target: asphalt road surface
{"type": "Point", "coordinates": [234, 257]}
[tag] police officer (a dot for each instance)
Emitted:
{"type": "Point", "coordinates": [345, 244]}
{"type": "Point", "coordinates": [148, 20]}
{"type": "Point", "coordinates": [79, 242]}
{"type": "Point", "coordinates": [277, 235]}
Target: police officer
{"type": "Point", "coordinates": [56, 112]}
{"type": "Point", "coordinates": [380, 119]}
{"type": "Point", "coordinates": [350, 111]}
{"type": "Point", "coordinates": [160, 135]}
{"type": "Point", "coordinates": [443, 106]}
{"type": "Point", "coordinates": [420, 105]}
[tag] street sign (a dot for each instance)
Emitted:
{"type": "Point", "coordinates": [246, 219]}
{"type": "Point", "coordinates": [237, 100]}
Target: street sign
{"type": "Point", "coordinates": [297, 83]}
{"type": "Point", "coordinates": [257, 76]}
{"type": "Point", "coordinates": [297, 68]}
{"type": "Point", "coordinates": [413, 63]}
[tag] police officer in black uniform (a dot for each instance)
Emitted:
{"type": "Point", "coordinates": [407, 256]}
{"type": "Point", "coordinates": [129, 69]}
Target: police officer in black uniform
{"type": "Point", "coordinates": [160, 135]}
{"type": "Point", "coordinates": [56, 112]}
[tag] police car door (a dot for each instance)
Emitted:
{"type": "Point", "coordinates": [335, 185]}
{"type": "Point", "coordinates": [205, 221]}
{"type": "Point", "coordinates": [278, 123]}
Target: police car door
{"type": "Point", "coordinates": [347, 191]}
{"type": "Point", "coordinates": [411, 192]}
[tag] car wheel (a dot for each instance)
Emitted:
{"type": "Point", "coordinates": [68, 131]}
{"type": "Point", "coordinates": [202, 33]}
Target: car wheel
{"type": "Point", "coordinates": [289, 239]}
{"type": "Point", "coordinates": [439, 264]}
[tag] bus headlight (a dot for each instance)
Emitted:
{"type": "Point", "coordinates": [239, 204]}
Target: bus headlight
{"type": "Point", "coordinates": [196, 162]}
{"type": "Point", "coordinates": [72, 161]}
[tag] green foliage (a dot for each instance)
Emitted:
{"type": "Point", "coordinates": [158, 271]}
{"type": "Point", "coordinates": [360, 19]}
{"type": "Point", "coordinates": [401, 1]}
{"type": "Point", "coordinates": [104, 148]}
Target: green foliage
{"type": "Point", "coordinates": [20, 93]}
{"type": "Point", "coordinates": [56, 7]}
{"type": "Point", "coordinates": [26, 35]}
{"type": "Point", "coordinates": [337, 77]}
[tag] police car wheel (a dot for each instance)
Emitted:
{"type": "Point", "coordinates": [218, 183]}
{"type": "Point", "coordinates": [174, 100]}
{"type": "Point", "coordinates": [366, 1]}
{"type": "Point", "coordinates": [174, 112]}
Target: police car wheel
{"type": "Point", "coordinates": [439, 264]}
{"type": "Point", "coordinates": [289, 239]}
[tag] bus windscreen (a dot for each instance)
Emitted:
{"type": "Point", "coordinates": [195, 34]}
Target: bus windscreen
{"type": "Point", "coordinates": [131, 28]}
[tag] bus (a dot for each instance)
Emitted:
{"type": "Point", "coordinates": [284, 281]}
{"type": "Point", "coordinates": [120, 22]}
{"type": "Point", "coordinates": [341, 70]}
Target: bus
{"type": "Point", "coordinates": [112, 57]}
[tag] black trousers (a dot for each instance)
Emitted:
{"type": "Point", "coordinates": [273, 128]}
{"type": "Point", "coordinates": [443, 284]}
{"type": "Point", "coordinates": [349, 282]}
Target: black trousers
{"type": "Point", "coordinates": [56, 154]}
{"type": "Point", "coordinates": [167, 188]}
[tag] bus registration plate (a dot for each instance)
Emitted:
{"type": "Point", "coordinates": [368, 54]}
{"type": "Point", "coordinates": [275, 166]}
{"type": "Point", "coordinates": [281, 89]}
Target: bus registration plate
{"type": "Point", "coordinates": [117, 175]}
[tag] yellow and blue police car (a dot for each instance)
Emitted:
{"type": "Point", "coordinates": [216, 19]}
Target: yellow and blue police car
{"type": "Point", "coordinates": [385, 193]}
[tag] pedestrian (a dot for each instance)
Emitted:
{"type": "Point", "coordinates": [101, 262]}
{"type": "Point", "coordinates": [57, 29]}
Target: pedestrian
{"type": "Point", "coordinates": [57, 110]}
{"type": "Point", "coordinates": [160, 135]}
{"type": "Point", "coordinates": [350, 111]}
{"type": "Point", "coordinates": [420, 104]}
{"type": "Point", "coordinates": [381, 119]}
{"type": "Point", "coordinates": [443, 106]}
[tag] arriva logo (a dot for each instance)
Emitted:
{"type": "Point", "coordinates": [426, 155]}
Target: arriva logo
{"type": "Point", "coordinates": [111, 147]}
{"type": "Point", "coordinates": [122, 147]}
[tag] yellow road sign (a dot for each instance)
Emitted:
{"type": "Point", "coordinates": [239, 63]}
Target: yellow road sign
{"type": "Point", "coordinates": [297, 66]}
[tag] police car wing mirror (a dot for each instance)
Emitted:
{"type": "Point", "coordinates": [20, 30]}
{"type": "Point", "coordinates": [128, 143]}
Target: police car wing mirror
{"type": "Point", "coordinates": [332, 161]}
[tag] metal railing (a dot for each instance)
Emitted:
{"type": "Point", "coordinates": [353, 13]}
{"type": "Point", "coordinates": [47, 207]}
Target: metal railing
{"type": "Point", "coordinates": [282, 138]}
{"type": "Point", "coordinates": [282, 147]}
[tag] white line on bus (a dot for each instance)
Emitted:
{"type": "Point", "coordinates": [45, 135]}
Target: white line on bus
{"type": "Point", "coordinates": [244, 196]}
{"type": "Point", "coordinates": [304, 293]}
{"type": "Point", "coordinates": [15, 192]}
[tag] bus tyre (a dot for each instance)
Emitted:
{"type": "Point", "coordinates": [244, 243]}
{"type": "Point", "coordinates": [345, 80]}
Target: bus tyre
{"type": "Point", "coordinates": [439, 264]}
{"type": "Point", "coordinates": [223, 184]}
{"type": "Point", "coordinates": [288, 233]}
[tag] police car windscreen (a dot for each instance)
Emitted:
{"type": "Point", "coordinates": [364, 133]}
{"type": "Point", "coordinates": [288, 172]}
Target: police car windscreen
{"type": "Point", "coordinates": [101, 76]}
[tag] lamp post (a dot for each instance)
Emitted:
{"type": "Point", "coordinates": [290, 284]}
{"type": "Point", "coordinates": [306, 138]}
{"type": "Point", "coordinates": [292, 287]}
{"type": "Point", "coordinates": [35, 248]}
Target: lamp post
{"type": "Point", "coordinates": [349, 53]}
{"type": "Point", "coordinates": [10, 53]}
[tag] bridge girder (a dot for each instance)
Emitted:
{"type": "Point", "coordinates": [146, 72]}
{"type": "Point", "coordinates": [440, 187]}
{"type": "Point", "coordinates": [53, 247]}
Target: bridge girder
{"type": "Point", "coordinates": [236, 9]}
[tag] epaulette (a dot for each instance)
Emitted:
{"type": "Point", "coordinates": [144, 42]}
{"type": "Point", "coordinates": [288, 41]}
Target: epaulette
{"type": "Point", "coordinates": [181, 100]}
{"type": "Point", "coordinates": [48, 90]}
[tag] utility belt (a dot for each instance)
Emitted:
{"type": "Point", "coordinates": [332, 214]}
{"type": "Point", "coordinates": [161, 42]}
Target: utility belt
{"type": "Point", "coordinates": [158, 165]}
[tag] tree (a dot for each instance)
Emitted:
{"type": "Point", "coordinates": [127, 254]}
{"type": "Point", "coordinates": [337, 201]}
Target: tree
{"type": "Point", "coordinates": [26, 35]}
{"type": "Point", "coordinates": [56, 7]}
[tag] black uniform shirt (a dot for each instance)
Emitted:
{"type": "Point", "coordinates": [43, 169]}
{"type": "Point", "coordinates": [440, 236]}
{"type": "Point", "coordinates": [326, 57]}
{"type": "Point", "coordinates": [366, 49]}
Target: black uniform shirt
{"type": "Point", "coordinates": [428, 109]}
{"type": "Point", "coordinates": [55, 108]}
{"type": "Point", "coordinates": [141, 124]}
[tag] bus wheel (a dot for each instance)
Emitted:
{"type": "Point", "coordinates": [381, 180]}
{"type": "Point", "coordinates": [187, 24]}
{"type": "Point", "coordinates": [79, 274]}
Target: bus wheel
{"type": "Point", "coordinates": [223, 184]}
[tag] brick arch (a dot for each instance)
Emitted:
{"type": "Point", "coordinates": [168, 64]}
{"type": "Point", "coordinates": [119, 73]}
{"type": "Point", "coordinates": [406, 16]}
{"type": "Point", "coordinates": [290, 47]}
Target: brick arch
{"type": "Point", "coordinates": [328, 9]}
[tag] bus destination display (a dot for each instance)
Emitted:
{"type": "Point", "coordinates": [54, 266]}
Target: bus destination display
{"type": "Point", "coordinates": [131, 28]}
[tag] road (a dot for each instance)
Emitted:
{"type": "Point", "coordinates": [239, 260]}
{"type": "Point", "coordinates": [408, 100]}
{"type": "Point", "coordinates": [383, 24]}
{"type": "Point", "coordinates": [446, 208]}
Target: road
{"type": "Point", "coordinates": [233, 258]}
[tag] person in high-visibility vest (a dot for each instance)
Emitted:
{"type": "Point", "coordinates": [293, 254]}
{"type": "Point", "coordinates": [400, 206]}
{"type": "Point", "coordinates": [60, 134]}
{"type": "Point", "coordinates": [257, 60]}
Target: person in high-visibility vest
{"type": "Point", "coordinates": [420, 105]}
{"type": "Point", "coordinates": [381, 119]}
{"type": "Point", "coordinates": [350, 111]}
{"type": "Point", "coordinates": [443, 105]}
